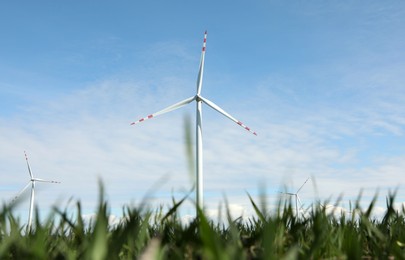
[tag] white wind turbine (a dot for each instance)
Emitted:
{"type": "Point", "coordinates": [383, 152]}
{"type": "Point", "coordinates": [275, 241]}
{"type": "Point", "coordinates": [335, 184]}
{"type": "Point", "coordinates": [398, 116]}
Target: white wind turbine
{"type": "Point", "coordinates": [297, 198]}
{"type": "Point", "coordinates": [199, 145]}
{"type": "Point", "coordinates": [32, 183]}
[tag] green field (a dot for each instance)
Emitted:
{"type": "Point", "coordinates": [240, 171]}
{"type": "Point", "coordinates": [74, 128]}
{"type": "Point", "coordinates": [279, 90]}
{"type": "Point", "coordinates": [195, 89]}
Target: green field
{"type": "Point", "coordinates": [158, 234]}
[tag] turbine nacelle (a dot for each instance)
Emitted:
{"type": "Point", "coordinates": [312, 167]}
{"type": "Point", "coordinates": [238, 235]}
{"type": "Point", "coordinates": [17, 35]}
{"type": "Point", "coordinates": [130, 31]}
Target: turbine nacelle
{"type": "Point", "coordinates": [198, 98]}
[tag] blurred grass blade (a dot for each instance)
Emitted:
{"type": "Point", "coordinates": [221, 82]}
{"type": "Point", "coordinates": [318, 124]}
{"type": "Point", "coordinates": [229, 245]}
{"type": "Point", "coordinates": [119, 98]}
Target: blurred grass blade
{"type": "Point", "coordinates": [257, 210]}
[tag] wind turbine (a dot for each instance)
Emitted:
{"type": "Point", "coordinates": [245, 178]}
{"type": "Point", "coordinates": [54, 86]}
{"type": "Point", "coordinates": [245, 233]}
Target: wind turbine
{"type": "Point", "coordinates": [32, 183]}
{"type": "Point", "coordinates": [297, 198]}
{"type": "Point", "coordinates": [199, 144]}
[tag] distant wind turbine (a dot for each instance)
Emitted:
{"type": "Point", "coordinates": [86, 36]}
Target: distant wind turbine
{"type": "Point", "coordinates": [199, 145]}
{"type": "Point", "coordinates": [297, 198]}
{"type": "Point", "coordinates": [32, 183]}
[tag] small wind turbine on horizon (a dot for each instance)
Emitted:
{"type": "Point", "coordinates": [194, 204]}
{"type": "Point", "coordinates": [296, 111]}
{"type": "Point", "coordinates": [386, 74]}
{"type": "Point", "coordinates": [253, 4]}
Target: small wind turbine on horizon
{"type": "Point", "coordinates": [199, 145]}
{"type": "Point", "coordinates": [32, 183]}
{"type": "Point", "coordinates": [297, 198]}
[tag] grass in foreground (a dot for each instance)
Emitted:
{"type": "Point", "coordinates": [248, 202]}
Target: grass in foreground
{"type": "Point", "coordinates": [143, 234]}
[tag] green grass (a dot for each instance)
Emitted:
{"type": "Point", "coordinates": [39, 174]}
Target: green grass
{"type": "Point", "coordinates": [146, 234]}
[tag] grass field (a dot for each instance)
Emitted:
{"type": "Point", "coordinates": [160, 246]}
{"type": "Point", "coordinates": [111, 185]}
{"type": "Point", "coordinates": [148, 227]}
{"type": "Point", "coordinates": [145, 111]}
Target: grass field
{"type": "Point", "coordinates": [146, 234]}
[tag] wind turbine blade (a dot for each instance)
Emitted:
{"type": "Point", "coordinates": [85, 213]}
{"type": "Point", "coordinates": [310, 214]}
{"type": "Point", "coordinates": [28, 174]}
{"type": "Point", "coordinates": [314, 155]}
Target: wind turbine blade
{"type": "Point", "coordinates": [201, 70]}
{"type": "Point", "coordinates": [302, 186]}
{"type": "Point", "coordinates": [298, 198]}
{"type": "Point", "coordinates": [166, 110]}
{"type": "Point", "coordinates": [220, 110]}
{"type": "Point", "coordinates": [288, 193]}
{"type": "Point", "coordinates": [28, 164]}
{"type": "Point", "coordinates": [42, 180]}
{"type": "Point", "coordinates": [21, 191]}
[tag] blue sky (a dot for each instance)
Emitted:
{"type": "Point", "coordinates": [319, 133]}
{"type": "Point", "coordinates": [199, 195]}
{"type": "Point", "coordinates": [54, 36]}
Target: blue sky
{"type": "Point", "coordinates": [321, 82]}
